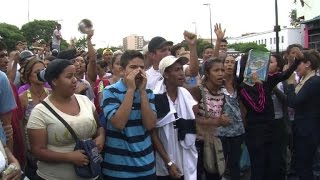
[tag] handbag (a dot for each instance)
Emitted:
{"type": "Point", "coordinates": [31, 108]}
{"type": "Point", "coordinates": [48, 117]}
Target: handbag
{"type": "Point", "coordinates": [93, 169]}
{"type": "Point", "coordinates": [213, 157]}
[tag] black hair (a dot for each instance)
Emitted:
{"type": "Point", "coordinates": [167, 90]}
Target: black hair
{"type": "Point", "coordinates": [102, 63]}
{"type": "Point", "coordinates": [68, 54]}
{"type": "Point", "coordinates": [3, 46]}
{"type": "Point", "coordinates": [99, 56]}
{"type": "Point", "coordinates": [313, 57]}
{"type": "Point", "coordinates": [208, 65]}
{"type": "Point", "coordinates": [293, 46]}
{"type": "Point", "coordinates": [224, 40]}
{"type": "Point", "coordinates": [243, 62]}
{"type": "Point", "coordinates": [280, 61]}
{"type": "Point", "coordinates": [129, 55]}
{"type": "Point", "coordinates": [175, 48]}
{"type": "Point", "coordinates": [207, 47]}
{"type": "Point", "coordinates": [53, 71]}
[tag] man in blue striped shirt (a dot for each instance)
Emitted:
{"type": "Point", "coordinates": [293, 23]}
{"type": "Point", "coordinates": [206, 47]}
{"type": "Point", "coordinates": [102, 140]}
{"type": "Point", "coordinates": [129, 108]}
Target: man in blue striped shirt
{"type": "Point", "coordinates": [130, 113]}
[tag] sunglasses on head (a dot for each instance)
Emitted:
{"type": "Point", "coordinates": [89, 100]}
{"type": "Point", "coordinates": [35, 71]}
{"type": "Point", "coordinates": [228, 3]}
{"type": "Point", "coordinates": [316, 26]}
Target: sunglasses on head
{"type": "Point", "coordinates": [2, 55]}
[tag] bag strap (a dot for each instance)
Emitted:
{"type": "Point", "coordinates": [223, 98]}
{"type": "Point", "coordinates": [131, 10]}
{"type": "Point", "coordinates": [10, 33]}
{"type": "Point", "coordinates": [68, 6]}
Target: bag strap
{"type": "Point", "coordinates": [204, 99]}
{"type": "Point", "coordinates": [75, 137]}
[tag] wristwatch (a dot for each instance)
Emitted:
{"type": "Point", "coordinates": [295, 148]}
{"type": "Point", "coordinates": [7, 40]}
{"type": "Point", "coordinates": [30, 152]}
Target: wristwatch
{"type": "Point", "coordinates": [169, 164]}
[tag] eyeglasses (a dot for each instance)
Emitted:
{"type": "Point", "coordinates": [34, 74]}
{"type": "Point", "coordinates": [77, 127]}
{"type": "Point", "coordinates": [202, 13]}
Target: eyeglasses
{"type": "Point", "coordinates": [2, 55]}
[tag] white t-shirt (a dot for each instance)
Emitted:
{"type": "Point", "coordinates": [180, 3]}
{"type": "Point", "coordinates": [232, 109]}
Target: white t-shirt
{"type": "Point", "coordinates": [55, 40]}
{"type": "Point", "coordinates": [154, 76]}
{"type": "Point", "coordinates": [59, 138]}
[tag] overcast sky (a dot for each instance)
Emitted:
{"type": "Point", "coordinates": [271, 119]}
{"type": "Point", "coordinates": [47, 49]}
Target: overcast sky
{"type": "Point", "coordinates": [114, 20]}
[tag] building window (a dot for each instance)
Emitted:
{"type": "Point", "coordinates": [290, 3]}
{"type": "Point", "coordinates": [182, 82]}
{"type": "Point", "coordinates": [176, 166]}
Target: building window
{"type": "Point", "coordinates": [270, 40]}
{"type": "Point", "coordinates": [282, 39]}
{"type": "Point", "coordinates": [259, 42]}
{"type": "Point", "coordinates": [265, 41]}
{"type": "Point", "coordinates": [274, 41]}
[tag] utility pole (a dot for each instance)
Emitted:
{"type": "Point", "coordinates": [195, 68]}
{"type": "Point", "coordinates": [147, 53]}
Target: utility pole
{"type": "Point", "coordinates": [208, 4]}
{"type": "Point", "coordinates": [277, 27]}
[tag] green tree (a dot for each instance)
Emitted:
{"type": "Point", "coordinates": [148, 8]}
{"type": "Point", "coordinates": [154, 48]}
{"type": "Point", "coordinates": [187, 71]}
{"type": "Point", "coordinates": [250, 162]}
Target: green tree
{"type": "Point", "coordinates": [244, 47]}
{"type": "Point", "coordinates": [10, 35]}
{"type": "Point", "coordinates": [64, 45]}
{"type": "Point", "coordinates": [201, 44]}
{"type": "Point", "coordinates": [81, 42]}
{"type": "Point", "coordinates": [41, 29]}
{"type": "Point", "coordinates": [293, 18]}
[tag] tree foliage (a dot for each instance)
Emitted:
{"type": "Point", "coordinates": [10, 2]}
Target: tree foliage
{"type": "Point", "coordinates": [64, 45]}
{"type": "Point", "coordinates": [10, 35]}
{"type": "Point", "coordinates": [244, 47]}
{"type": "Point", "coordinates": [81, 42]}
{"type": "Point", "coordinates": [293, 18]}
{"type": "Point", "coordinates": [41, 29]}
{"type": "Point", "coordinates": [201, 44]}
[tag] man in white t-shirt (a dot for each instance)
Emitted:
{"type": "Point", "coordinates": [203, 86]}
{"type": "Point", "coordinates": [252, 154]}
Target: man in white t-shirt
{"type": "Point", "coordinates": [56, 38]}
{"type": "Point", "coordinates": [159, 48]}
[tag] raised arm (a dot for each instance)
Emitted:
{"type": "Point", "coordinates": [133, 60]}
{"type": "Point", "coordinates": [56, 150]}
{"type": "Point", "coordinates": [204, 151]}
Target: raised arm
{"type": "Point", "coordinates": [147, 113]}
{"type": "Point", "coordinates": [92, 65]}
{"type": "Point", "coordinates": [121, 116]}
{"type": "Point", "coordinates": [309, 89]}
{"type": "Point", "coordinates": [12, 70]}
{"type": "Point", "coordinates": [193, 68]}
{"type": "Point", "coordinates": [220, 35]}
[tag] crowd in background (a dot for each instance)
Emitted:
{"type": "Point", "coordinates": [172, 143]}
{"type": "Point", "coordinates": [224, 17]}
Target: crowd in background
{"type": "Point", "coordinates": [161, 114]}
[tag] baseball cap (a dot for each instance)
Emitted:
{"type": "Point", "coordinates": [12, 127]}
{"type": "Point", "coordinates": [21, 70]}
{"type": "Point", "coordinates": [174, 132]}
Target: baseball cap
{"type": "Point", "coordinates": [25, 55]}
{"type": "Point", "coordinates": [157, 43]}
{"type": "Point", "coordinates": [170, 60]}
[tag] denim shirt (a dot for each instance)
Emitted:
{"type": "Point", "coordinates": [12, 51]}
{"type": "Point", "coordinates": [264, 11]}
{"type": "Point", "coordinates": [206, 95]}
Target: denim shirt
{"type": "Point", "coordinates": [232, 109]}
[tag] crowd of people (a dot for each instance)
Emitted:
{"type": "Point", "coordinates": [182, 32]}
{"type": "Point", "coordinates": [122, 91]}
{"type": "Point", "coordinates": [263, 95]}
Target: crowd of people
{"type": "Point", "coordinates": [161, 114]}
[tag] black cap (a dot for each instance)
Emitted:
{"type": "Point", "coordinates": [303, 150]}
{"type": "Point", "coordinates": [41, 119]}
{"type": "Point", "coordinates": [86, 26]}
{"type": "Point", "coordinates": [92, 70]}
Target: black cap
{"type": "Point", "coordinates": [157, 43]}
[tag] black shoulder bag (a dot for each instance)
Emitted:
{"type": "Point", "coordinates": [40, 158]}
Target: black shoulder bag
{"type": "Point", "coordinates": [93, 169]}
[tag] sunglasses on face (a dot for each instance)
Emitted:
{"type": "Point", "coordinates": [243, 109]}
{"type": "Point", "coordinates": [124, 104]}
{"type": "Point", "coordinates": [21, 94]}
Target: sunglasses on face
{"type": "Point", "coordinates": [2, 55]}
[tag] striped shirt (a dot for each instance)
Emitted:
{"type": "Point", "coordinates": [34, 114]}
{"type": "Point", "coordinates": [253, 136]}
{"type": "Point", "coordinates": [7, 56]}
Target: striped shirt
{"type": "Point", "coordinates": [129, 152]}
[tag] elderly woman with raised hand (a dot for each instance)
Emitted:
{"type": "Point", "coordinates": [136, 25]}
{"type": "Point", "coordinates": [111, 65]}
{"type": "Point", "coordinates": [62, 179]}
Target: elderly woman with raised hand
{"type": "Point", "coordinates": [175, 133]}
{"type": "Point", "coordinates": [305, 99]}
{"type": "Point", "coordinates": [51, 142]}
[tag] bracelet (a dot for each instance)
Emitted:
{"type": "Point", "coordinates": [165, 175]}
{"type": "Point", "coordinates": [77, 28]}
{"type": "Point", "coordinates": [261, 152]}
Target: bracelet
{"type": "Point", "coordinates": [169, 164]}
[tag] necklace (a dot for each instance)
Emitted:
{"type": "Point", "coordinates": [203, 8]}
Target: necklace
{"type": "Point", "coordinates": [39, 96]}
